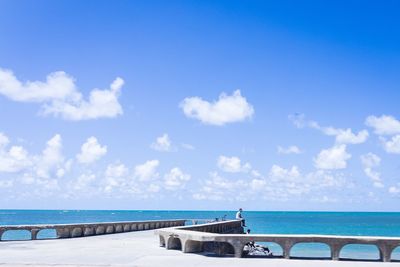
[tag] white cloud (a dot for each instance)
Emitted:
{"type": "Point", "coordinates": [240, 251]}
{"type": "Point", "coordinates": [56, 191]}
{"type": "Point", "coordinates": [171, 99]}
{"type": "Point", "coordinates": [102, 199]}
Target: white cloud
{"type": "Point", "coordinates": [279, 172]}
{"type": "Point", "coordinates": [91, 151]}
{"type": "Point", "coordinates": [370, 161]}
{"type": "Point", "coordinates": [333, 158]}
{"type": "Point", "coordinates": [51, 158]}
{"type": "Point", "coordinates": [188, 146]}
{"type": "Point", "coordinates": [232, 164]}
{"type": "Point", "coordinates": [59, 96]}
{"type": "Point", "coordinates": [115, 177]}
{"type": "Point", "coordinates": [147, 170]}
{"type": "Point", "coordinates": [392, 145]}
{"type": "Point", "coordinates": [342, 136]}
{"type": "Point", "coordinates": [227, 109]}
{"type": "Point", "coordinates": [394, 190]}
{"type": "Point", "coordinates": [221, 189]}
{"type": "Point", "coordinates": [175, 179]}
{"type": "Point", "coordinates": [13, 160]}
{"type": "Point", "coordinates": [162, 143]}
{"type": "Point", "coordinates": [384, 125]}
{"type": "Point", "coordinates": [83, 181]}
{"type": "Point", "coordinates": [280, 185]}
{"type": "Point", "coordinates": [289, 150]}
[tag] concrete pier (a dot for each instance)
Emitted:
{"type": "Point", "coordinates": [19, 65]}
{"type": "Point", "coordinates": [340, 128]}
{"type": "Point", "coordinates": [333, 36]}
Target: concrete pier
{"type": "Point", "coordinates": [88, 229]}
{"type": "Point", "coordinates": [193, 239]}
{"type": "Point", "coordinates": [139, 249]}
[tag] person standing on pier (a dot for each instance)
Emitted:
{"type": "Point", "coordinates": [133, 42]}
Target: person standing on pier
{"type": "Point", "coordinates": [240, 217]}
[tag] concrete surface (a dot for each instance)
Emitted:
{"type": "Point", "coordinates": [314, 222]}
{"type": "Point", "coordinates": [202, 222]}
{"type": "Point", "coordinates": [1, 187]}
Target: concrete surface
{"type": "Point", "coordinates": [133, 249]}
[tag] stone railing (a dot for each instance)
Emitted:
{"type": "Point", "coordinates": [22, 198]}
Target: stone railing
{"type": "Point", "coordinates": [194, 239]}
{"type": "Point", "coordinates": [89, 229]}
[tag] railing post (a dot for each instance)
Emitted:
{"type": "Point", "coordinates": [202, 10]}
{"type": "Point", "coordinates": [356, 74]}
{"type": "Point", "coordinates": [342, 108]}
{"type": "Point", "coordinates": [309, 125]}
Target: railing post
{"type": "Point", "coordinates": [1, 233]}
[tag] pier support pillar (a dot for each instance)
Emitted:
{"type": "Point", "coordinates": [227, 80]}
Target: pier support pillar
{"type": "Point", "coordinates": [287, 246]}
{"type": "Point", "coordinates": [385, 252]}
{"type": "Point", "coordinates": [1, 233]}
{"type": "Point", "coordinates": [335, 251]}
{"type": "Point", "coordinates": [238, 247]}
{"type": "Point", "coordinates": [34, 233]}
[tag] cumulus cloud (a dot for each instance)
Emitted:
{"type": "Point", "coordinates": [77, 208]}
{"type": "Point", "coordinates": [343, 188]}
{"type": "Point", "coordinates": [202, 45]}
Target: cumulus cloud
{"type": "Point", "coordinates": [333, 158]}
{"type": "Point", "coordinates": [175, 179]}
{"type": "Point", "coordinates": [342, 136]}
{"type": "Point", "coordinates": [227, 109]}
{"type": "Point", "coordinates": [289, 150]}
{"type": "Point", "coordinates": [369, 162]}
{"type": "Point", "coordinates": [392, 145]}
{"type": "Point", "coordinates": [232, 164]}
{"type": "Point", "coordinates": [51, 159]}
{"type": "Point", "coordinates": [219, 188]}
{"type": "Point", "coordinates": [14, 159]}
{"type": "Point", "coordinates": [115, 177]}
{"type": "Point", "coordinates": [162, 143]}
{"type": "Point", "coordinates": [59, 96]}
{"type": "Point", "coordinates": [383, 125]}
{"type": "Point", "coordinates": [147, 170]}
{"type": "Point", "coordinates": [91, 151]}
{"type": "Point", "coordinates": [281, 184]}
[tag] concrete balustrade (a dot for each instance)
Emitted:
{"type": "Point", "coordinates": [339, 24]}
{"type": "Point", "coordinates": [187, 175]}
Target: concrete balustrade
{"type": "Point", "coordinates": [89, 229]}
{"type": "Point", "coordinates": [228, 238]}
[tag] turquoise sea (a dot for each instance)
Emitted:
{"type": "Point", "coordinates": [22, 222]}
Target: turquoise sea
{"type": "Point", "coordinates": [331, 223]}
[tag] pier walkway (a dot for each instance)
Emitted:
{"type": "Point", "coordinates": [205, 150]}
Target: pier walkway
{"type": "Point", "coordinates": [139, 249]}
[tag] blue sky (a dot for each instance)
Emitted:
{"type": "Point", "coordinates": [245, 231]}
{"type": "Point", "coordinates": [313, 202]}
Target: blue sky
{"type": "Point", "coordinates": [266, 105]}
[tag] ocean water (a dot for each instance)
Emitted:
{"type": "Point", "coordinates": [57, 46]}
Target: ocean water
{"type": "Point", "coordinates": [330, 223]}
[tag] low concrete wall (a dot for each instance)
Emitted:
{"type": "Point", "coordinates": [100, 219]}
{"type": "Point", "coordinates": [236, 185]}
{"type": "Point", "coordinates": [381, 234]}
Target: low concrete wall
{"type": "Point", "coordinates": [193, 239]}
{"type": "Point", "coordinates": [88, 229]}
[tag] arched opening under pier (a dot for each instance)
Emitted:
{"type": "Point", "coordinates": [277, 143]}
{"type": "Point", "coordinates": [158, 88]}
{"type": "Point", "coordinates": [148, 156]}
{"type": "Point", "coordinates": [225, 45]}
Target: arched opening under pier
{"type": "Point", "coordinates": [10, 235]}
{"type": "Point", "coordinates": [273, 247]}
{"type": "Point", "coordinates": [310, 250]}
{"type": "Point", "coordinates": [174, 243]}
{"type": "Point", "coordinates": [47, 234]}
{"type": "Point", "coordinates": [218, 248]}
{"type": "Point", "coordinates": [396, 254]}
{"type": "Point", "coordinates": [359, 252]}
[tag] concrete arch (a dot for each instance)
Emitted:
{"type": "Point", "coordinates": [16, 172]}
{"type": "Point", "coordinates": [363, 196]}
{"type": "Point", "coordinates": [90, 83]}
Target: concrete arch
{"type": "Point", "coordinates": [191, 246]}
{"type": "Point", "coordinates": [49, 233]}
{"type": "Point", "coordinates": [22, 234]}
{"type": "Point", "coordinates": [174, 243]}
{"type": "Point", "coordinates": [100, 230]}
{"type": "Point", "coordinates": [76, 232]}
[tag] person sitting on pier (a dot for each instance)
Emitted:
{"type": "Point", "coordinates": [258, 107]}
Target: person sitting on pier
{"type": "Point", "coordinates": [240, 217]}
